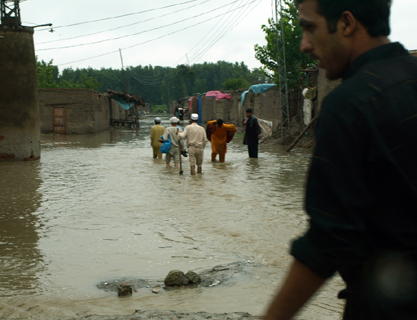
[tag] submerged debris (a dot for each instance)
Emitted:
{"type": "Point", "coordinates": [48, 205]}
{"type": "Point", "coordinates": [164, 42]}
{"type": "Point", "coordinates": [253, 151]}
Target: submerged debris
{"type": "Point", "coordinates": [176, 279]}
{"type": "Point", "coordinates": [157, 289]}
{"type": "Point", "coordinates": [124, 289]}
{"type": "Point", "coordinates": [193, 277]}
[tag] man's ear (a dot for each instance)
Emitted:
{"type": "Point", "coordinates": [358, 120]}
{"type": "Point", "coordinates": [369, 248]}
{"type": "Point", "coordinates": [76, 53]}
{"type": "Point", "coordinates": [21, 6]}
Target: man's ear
{"type": "Point", "coordinates": [348, 23]}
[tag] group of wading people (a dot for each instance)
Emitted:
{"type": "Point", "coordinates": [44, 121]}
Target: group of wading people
{"type": "Point", "coordinates": [196, 142]}
{"type": "Point", "coordinates": [197, 139]}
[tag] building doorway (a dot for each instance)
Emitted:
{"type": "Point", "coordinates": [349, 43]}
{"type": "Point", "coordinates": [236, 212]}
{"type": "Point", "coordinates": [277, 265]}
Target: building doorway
{"type": "Point", "coordinates": [59, 120]}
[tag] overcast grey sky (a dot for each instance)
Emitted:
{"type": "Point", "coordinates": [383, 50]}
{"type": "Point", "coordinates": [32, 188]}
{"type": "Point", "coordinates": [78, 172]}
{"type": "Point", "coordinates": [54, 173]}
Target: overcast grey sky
{"type": "Point", "coordinates": [185, 31]}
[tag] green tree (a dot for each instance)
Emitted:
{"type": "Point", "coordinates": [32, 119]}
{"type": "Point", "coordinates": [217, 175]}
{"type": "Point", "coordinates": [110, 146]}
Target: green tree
{"type": "Point", "coordinates": [155, 84]}
{"type": "Point", "coordinates": [295, 60]}
{"type": "Point", "coordinates": [79, 78]}
{"type": "Point", "coordinates": [45, 74]}
{"type": "Point", "coordinates": [186, 73]}
{"type": "Point", "coordinates": [258, 77]}
{"type": "Point", "coordinates": [234, 84]}
{"type": "Point", "coordinates": [200, 85]}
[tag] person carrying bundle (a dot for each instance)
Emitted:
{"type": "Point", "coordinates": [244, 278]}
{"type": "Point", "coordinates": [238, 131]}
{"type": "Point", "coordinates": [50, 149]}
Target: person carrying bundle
{"type": "Point", "coordinates": [219, 138]}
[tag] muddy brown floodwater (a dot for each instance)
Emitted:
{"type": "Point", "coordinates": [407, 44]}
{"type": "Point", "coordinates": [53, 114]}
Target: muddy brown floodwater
{"type": "Point", "coordinates": [98, 207]}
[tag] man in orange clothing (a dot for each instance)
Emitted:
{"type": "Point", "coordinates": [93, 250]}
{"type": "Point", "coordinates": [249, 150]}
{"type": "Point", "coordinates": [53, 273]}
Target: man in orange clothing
{"type": "Point", "coordinates": [219, 138]}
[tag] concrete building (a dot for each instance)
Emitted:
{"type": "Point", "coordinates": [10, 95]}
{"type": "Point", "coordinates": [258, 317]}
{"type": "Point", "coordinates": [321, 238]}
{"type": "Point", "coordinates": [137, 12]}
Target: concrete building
{"type": "Point", "coordinates": [19, 109]}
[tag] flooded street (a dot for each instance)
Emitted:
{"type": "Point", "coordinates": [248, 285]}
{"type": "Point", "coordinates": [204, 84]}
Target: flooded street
{"type": "Point", "coordinates": [98, 208]}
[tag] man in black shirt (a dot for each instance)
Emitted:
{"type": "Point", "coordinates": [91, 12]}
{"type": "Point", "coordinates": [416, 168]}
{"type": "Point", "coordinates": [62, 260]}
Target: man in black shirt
{"type": "Point", "coordinates": [252, 133]}
{"type": "Point", "coordinates": [361, 192]}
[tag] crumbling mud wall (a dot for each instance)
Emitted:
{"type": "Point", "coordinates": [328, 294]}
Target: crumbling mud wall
{"type": "Point", "coordinates": [267, 106]}
{"type": "Point", "coordinates": [86, 111]}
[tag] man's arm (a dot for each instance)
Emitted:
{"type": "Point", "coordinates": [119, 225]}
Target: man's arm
{"type": "Point", "coordinates": [182, 135]}
{"type": "Point", "coordinates": [300, 284]}
{"type": "Point", "coordinates": [205, 140]}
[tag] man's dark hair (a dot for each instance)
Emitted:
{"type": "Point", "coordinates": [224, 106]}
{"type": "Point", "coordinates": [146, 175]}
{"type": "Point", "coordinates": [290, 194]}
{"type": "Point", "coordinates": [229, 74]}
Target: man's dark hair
{"type": "Point", "coordinates": [220, 123]}
{"type": "Point", "coordinates": [373, 14]}
{"type": "Point", "coordinates": [249, 110]}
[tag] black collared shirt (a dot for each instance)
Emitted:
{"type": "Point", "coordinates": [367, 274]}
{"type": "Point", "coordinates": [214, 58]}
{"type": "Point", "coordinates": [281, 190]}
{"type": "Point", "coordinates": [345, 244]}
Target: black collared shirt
{"type": "Point", "coordinates": [361, 191]}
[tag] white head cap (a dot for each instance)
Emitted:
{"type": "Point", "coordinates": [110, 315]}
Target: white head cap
{"type": "Point", "coordinates": [157, 119]}
{"type": "Point", "coordinates": [174, 120]}
{"type": "Point", "coordinates": [194, 116]}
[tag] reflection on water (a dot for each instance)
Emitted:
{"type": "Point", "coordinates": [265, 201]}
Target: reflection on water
{"type": "Point", "coordinates": [98, 207]}
{"type": "Point", "coordinates": [21, 258]}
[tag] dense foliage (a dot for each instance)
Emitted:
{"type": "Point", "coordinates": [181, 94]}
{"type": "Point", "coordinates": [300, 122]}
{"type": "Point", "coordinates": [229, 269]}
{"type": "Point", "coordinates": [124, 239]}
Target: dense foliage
{"type": "Point", "coordinates": [48, 77]}
{"type": "Point", "coordinates": [234, 84]}
{"type": "Point", "coordinates": [295, 60]}
{"type": "Point", "coordinates": [156, 85]}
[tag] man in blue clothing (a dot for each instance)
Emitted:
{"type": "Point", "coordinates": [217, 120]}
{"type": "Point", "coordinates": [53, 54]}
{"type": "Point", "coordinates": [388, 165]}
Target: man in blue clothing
{"type": "Point", "coordinates": [361, 192]}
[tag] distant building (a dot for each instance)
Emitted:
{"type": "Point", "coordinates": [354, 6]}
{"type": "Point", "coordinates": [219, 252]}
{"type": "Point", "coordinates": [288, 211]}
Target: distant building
{"type": "Point", "coordinates": [78, 111]}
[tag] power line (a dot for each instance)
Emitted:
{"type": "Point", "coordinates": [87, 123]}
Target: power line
{"type": "Point", "coordinates": [154, 39]}
{"type": "Point", "coordinates": [149, 83]}
{"type": "Point", "coordinates": [204, 38]}
{"type": "Point", "coordinates": [125, 26]}
{"type": "Point", "coordinates": [232, 24]}
{"type": "Point", "coordinates": [138, 33]}
{"type": "Point", "coordinates": [151, 79]}
{"type": "Point", "coordinates": [209, 44]}
{"type": "Point", "coordinates": [121, 16]}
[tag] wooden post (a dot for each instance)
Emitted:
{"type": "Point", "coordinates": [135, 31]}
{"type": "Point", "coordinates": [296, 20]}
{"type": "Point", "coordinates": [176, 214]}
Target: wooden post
{"type": "Point", "coordinates": [301, 134]}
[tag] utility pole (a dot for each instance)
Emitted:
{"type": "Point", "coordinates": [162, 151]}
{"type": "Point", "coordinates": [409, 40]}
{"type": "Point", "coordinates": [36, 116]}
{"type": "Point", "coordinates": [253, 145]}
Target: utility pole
{"type": "Point", "coordinates": [10, 13]}
{"type": "Point", "coordinates": [132, 109]}
{"type": "Point", "coordinates": [169, 94]}
{"type": "Point", "coordinates": [282, 71]}
{"type": "Point", "coordinates": [123, 70]}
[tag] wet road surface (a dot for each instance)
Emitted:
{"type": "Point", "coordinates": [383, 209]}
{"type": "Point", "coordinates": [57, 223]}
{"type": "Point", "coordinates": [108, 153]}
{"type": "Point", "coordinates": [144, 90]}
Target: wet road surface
{"type": "Point", "coordinates": [98, 207]}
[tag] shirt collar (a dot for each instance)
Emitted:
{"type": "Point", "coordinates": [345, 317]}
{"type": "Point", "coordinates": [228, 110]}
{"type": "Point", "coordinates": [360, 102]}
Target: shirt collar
{"type": "Point", "coordinates": [385, 51]}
